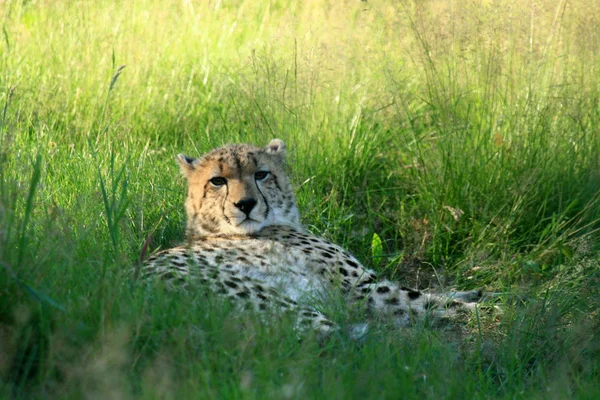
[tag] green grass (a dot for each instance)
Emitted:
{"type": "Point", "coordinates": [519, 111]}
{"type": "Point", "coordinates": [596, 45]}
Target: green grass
{"type": "Point", "coordinates": [446, 144]}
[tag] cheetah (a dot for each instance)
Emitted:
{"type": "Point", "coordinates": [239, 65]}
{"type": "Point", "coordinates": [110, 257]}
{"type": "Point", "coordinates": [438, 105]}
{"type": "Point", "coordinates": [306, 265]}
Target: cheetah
{"type": "Point", "coordinates": [245, 241]}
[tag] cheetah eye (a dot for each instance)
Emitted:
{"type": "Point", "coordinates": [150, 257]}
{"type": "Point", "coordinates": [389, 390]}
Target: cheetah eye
{"type": "Point", "coordinates": [218, 181]}
{"type": "Point", "coordinates": [260, 175]}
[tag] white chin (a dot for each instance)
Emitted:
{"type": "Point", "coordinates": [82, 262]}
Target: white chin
{"type": "Point", "coordinates": [248, 226]}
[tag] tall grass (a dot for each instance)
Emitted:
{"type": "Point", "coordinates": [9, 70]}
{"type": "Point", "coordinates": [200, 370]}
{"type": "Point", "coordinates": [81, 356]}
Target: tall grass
{"type": "Point", "coordinates": [444, 143]}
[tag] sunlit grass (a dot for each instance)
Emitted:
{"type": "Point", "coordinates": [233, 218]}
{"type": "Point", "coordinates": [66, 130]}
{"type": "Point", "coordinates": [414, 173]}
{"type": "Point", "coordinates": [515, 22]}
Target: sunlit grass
{"type": "Point", "coordinates": [463, 135]}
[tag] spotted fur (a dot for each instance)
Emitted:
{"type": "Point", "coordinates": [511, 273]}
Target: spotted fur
{"type": "Point", "coordinates": [245, 242]}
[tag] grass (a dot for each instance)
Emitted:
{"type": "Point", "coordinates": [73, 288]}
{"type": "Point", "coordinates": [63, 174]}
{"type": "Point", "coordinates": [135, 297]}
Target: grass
{"type": "Point", "coordinates": [444, 143]}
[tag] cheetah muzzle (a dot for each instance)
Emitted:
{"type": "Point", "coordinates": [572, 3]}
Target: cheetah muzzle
{"type": "Point", "coordinates": [245, 242]}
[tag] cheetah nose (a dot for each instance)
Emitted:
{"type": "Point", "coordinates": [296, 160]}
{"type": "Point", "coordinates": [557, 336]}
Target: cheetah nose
{"type": "Point", "coordinates": [246, 205]}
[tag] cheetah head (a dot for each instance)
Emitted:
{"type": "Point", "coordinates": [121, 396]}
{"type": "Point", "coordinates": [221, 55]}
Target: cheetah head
{"type": "Point", "coordinates": [238, 190]}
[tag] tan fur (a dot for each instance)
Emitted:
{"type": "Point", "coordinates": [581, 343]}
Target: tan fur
{"type": "Point", "coordinates": [212, 210]}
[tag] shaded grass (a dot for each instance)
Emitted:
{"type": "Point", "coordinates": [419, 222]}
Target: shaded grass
{"type": "Point", "coordinates": [465, 137]}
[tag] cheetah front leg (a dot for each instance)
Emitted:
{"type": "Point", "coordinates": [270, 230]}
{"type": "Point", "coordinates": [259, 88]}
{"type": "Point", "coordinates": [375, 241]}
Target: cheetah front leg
{"type": "Point", "coordinates": [266, 298]}
{"type": "Point", "coordinates": [180, 270]}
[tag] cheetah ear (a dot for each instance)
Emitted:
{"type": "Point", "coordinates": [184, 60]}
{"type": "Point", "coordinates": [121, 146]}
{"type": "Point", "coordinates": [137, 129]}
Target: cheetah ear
{"type": "Point", "coordinates": [187, 164]}
{"type": "Point", "coordinates": [276, 147]}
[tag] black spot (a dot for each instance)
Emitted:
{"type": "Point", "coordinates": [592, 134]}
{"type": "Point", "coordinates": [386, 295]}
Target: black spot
{"type": "Point", "coordinates": [455, 303]}
{"type": "Point", "coordinates": [392, 301]}
{"type": "Point", "coordinates": [207, 227]}
{"type": "Point", "coordinates": [179, 263]}
{"type": "Point", "coordinates": [232, 285]}
{"type": "Point", "coordinates": [305, 242]}
{"type": "Point", "coordinates": [343, 271]}
{"type": "Point", "coordinates": [383, 289]}
{"type": "Point", "coordinates": [243, 294]}
{"type": "Point", "coordinates": [354, 274]}
{"type": "Point", "coordinates": [310, 314]}
{"type": "Point", "coordinates": [167, 275]}
{"type": "Point", "coordinates": [366, 290]}
{"type": "Point", "coordinates": [243, 260]}
{"type": "Point", "coordinates": [412, 294]}
{"type": "Point", "coordinates": [222, 290]}
{"type": "Point", "coordinates": [306, 251]}
{"type": "Point", "coordinates": [327, 255]}
{"type": "Point", "coordinates": [368, 279]}
{"type": "Point", "coordinates": [399, 313]}
{"type": "Point", "coordinates": [326, 323]}
{"type": "Point", "coordinates": [259, 288]}
{"type": "Point", "coordinates": [219, 259]}
{"type": "Point", "coordinates": [238, 162]}
{"type": "Point", "coordinates": [352, 263]}
{"type": "Point", "coordinates": [201, 259]}
{"type": "Point", "coordinates": [261, 296]}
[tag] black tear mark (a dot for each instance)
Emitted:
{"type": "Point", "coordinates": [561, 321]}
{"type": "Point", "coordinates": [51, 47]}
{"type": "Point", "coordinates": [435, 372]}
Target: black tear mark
{"type": "Point", "coordinates": [267, 207]}
{"type": "Point", "coordinates": [276, 180]}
